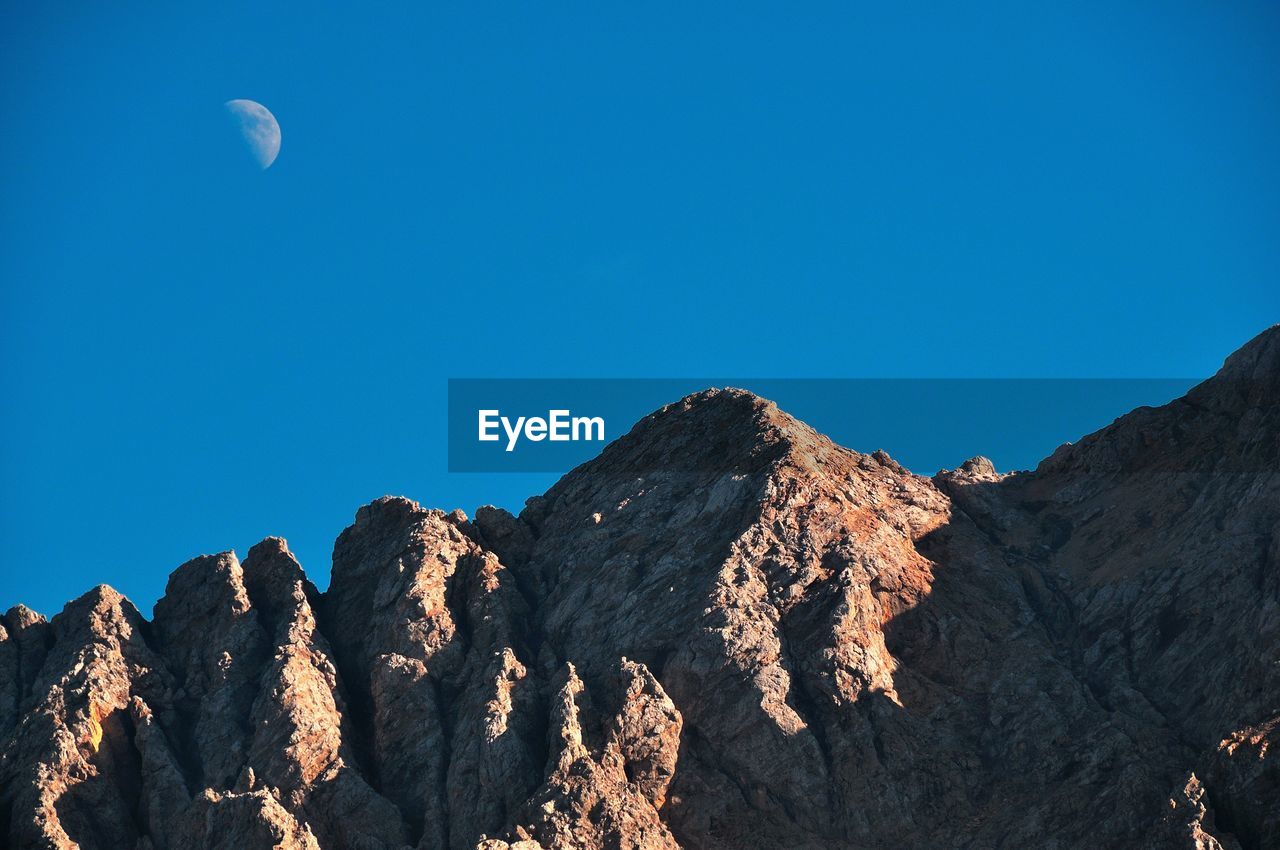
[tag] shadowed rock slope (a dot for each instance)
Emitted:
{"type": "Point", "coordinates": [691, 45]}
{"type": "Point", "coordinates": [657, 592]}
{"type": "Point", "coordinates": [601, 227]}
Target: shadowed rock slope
{"type": "Point", "coordinates": [723, 632]}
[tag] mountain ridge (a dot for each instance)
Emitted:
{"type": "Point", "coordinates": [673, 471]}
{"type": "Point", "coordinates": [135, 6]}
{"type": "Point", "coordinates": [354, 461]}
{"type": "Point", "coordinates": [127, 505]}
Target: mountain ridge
{"type": "Point", "coordinates": [723, 631]}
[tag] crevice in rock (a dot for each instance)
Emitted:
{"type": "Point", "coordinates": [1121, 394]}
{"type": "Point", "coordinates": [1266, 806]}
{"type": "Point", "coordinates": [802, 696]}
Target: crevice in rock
{"type": "Point", "coordinates": [1170, 623]}
{"type": "Point", "coordinates": [457, 593]}
{"type": "Point", "coordinates": [104, 809]}
{"type": "Point", "coordinates": [1233, 820]}
{"type": "Point", "coordinates": [447, 696]}
{"type": "Point", "coordinates": [183, 734]}
{"type": "Point", "coordinates": [802, 701]}
{"type": "Point", "coordinates": [356, 701]}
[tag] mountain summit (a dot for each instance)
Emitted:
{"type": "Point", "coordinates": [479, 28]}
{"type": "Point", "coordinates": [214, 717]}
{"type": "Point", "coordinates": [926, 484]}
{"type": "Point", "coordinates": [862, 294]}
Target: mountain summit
{"type": "Point", "coordinates": [724, 632]}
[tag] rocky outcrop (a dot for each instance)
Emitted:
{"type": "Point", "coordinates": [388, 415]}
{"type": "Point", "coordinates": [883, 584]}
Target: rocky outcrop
{"type": "Point", "coordinates": [723, 632]}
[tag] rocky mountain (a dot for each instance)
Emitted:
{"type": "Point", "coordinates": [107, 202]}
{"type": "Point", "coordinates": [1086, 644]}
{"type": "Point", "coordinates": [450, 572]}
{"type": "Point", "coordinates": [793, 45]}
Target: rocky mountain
{"type": "Point", "coordinates": [724, 632]}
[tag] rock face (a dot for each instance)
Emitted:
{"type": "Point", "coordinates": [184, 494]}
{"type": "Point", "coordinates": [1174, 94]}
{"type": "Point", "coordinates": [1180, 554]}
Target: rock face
{"type": "Point", "coordinates": [724, 632]}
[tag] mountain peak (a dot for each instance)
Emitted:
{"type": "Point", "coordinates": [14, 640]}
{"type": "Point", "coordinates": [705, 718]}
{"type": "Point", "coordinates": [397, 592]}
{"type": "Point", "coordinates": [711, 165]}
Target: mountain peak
{"type": "Point", "coordinates": [714, 431]}
{"type": "Point", "coordinates": [1257, 359]}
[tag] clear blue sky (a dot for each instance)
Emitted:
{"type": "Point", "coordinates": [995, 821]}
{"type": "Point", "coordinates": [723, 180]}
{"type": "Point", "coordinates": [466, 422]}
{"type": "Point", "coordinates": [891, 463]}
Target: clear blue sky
{"type": "Point", "coordinates": [195, 354]}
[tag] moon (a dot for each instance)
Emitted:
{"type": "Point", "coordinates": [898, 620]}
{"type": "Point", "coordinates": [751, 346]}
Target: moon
{"type": "Point", "coordinates": [258, 128]}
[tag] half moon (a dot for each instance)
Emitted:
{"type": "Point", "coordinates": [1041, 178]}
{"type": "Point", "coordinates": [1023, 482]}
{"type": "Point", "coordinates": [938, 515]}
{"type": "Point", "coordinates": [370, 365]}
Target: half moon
{"type": "Point", "coordinates": [258, 128]}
